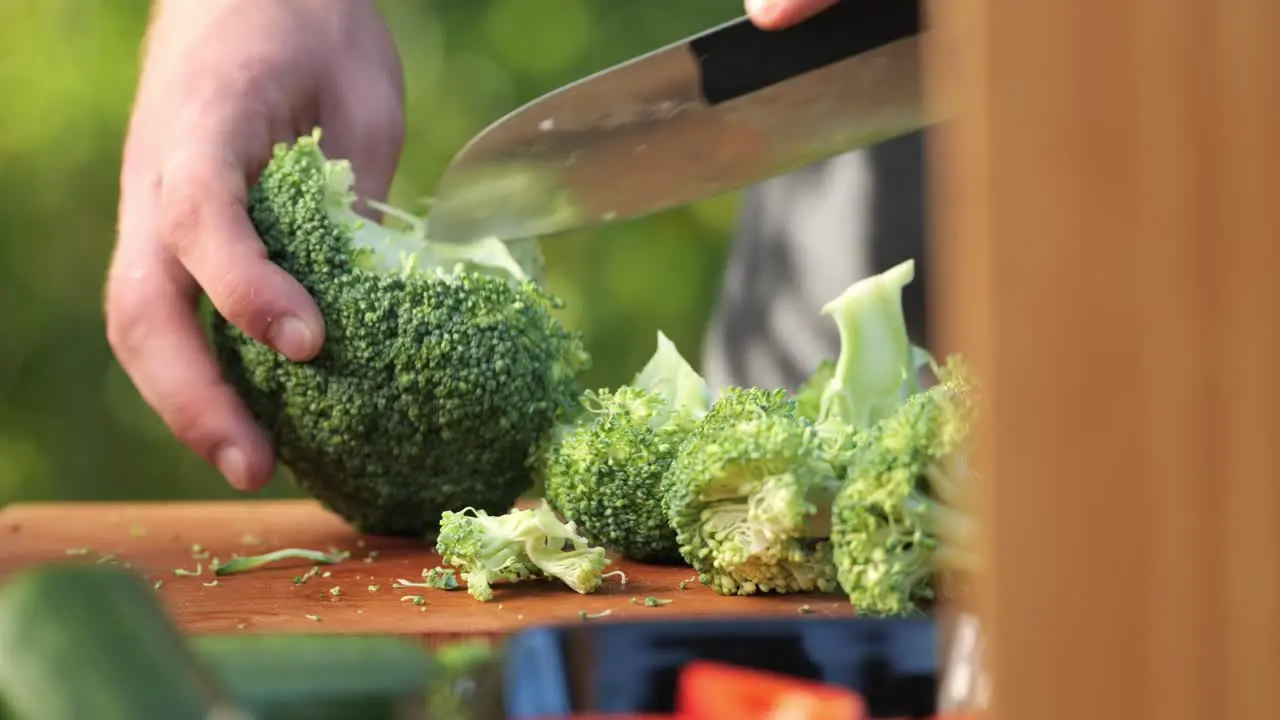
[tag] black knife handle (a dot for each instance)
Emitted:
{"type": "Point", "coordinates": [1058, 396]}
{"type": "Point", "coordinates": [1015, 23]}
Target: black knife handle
{"type": "Point", "coordinates": [739, 58]}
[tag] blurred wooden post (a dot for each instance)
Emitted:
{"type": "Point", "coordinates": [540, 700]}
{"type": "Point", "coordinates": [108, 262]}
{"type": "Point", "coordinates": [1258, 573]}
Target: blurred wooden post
{"type": "Point", "coordinates": [1107, 228]}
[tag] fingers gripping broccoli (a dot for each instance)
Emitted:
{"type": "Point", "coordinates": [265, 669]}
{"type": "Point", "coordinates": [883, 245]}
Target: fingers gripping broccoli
{"type": "Point", "coordinates": [605, 471]}
{"type": "Point", "coordinates": [443, 366]}
{"type": "Point", "coordinates": [516, 546]}
{"type": "Point", "coordinates": [749, 494]}
{"type": "Point", "coordinates": [890, 514]}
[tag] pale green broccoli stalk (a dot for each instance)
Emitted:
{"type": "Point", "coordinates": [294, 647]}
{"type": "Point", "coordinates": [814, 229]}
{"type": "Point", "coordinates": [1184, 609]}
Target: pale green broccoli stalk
{"type": "Point", "coordinates": [877, 366]}
{"type": "Point", "coordinates": [443, 366]}
{"type": "Point", "coordinates": [748, 496]}
{"type": "Point", "coordinates": [890, 516]}
{"type": "Point", "coordinates": [522, 544]}
{"type": "Point", "coordinates": [876, 370]}
{"type": "Point", "coordinates": [605, 471]}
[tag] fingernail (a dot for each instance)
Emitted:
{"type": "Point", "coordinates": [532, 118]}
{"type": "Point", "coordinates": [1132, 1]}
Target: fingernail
{"type": "Point", "coordinates": [292, 337]}
{"type": "Point", "coordinates": [761, 9]}
{"type": "Point", "coordinates": [231, 463]}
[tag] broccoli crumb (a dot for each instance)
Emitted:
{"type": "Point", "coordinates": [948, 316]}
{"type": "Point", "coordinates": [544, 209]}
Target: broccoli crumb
{"type": "Point", "coordinates": [435, 578]}
{"type": "Point", "coordinates": [335, 591]}
{"type": "Point", "coordinates": [441, 578]}
{"type": "Point", "coordinates": [650, 602]}
{"type": "Point", "coordinates": [584, 615]}
{"type": "Point", "coordinates": [199, 552]}
{"type": "Point", "coordinates": [313, 618]}
{"type": "Point", "coordinates": [106, 558]}
{"type": "Point", "coordinates": [250, 539]}
{"type": "Point", "coordinates": [78, 551]}
{"type": "Point", "coordinates": [159, 584]}
{"type": "Point", "coordinates": [804, 610]}
{"type": "Point", "coordinates": [618, 573]}
{"type": "Point", "coordinates": [300, 579]}
{"type": "Point", "coordinates": [415, 599]}
{"type": "Point", "coordinates": [182, 572]}
{"type": "Point", "coordinates": [210, 584]}
{"type": "Point", "coordinates": [241, 626]}
{"type": "Point", "coordinates": [375, 588]}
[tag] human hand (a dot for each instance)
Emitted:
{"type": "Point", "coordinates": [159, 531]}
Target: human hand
{"type": "Point", "coordinates": [221, 83]}
{"type": "Point", "coordinates": [779, 14]}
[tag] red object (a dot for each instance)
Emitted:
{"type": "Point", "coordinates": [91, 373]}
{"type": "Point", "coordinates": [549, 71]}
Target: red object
{"type": "Point", "coordinates": [716, 691]}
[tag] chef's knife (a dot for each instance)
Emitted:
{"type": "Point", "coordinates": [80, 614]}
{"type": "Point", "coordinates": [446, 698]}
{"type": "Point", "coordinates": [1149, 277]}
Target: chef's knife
{"type": "Point", "coordinates": [716, 112]}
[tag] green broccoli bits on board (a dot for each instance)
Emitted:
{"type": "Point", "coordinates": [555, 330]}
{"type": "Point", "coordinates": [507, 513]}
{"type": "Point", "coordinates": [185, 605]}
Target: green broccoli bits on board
{"type": "Point", "coordinates": [520, 545]}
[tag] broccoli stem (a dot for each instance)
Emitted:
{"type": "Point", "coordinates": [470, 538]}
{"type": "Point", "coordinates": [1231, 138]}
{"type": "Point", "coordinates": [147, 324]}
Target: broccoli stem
{"type": "Point", "coordinates": [876, 368]}
{"type": "Point", "coordinates": [243, 564]}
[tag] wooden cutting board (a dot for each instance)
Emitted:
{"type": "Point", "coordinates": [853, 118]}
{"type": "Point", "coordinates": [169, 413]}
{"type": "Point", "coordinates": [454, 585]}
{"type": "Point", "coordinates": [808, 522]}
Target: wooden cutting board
{"type": "Point", "coordinates": [156, 538]}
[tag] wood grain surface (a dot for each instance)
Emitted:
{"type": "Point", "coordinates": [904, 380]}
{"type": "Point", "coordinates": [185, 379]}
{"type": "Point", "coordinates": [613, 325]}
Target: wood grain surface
{"type": "Point", "coordinates": [156, 538]}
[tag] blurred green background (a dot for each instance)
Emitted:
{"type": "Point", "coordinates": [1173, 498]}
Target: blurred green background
{"type": "Point", "coordinates": [71, 425]}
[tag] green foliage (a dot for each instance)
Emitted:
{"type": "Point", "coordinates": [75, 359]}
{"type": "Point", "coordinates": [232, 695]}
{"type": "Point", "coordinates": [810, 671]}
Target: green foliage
{"type": "Point", "coordinates": [605, 471]}
{"type": "Point", "coordinates": [442, 367]}
{"type": "Point", "coordinates": [69, 69]}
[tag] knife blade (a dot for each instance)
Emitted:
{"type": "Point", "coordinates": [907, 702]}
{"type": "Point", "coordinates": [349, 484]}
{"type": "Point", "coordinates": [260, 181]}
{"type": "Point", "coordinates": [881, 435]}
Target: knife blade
{"type": "Point", "coordinates": [713, 113]}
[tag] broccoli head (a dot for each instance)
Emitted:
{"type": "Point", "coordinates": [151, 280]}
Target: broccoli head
{"type": "Point", "coordinates": [888, 518]}
{"type": "Point", "coordinates": [749, 497]}
{"type": "Point", "coordinates": [522, 544]}
{"type": "Point", "coordinates": [443, 366]}
{"type": "Point", "coordinates": [605, 471]}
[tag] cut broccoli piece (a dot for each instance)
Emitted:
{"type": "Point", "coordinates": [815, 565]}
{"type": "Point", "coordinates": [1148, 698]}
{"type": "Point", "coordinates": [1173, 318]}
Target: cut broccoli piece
{"type": "Point", "coordinates": [888, 517]}
{"type": "Point", "coordinates": [808, 396]}
{"type": "Point", "coordinates": [877, 368]}
{"type": "Point", "coordinates": [519, 545]}
{"type": "Point", "coordinates": [441, 578]}
{"type": "Point", "coordinates": [750, 492]}
{"type": "Point", "coordinates": [605, 472]}
{"type": "Point", "coordinates": [749, 495]}
{"type": "Point", "coordinates": [443, 367]}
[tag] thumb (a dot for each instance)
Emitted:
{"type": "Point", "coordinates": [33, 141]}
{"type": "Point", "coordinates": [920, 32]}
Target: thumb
{"type": "Point", "coordinates": [779, 14]}
{"type": "Point", "coordinates": [366, 126]}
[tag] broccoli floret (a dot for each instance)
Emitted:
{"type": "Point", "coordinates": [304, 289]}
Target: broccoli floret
{"type": "Point", "coordinates": [808, 396]}
{"type": "Point", "coordinates": [605, 472]}
{"type": "Point", "coordinates": [519, 545]}
{"type": "Point", "coordinates": [441, 578]}
{"type": "Point", "coordinates": [877, 368]}
{"type": "Point", "coordinates": [749, 494]}
{"type": "Point", "coordinates": [443, 367]}
{"type": "Point", "coordinates": [887, 519]}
